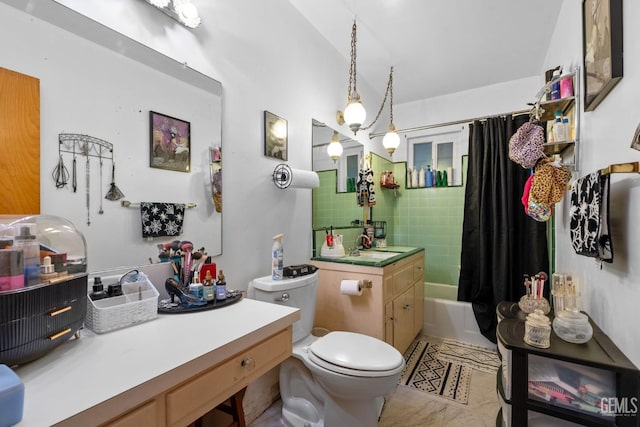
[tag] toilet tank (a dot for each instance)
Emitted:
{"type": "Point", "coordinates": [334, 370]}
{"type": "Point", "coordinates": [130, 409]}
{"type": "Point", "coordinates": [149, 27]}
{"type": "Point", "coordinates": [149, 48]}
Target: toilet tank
{"type": "Point", "coordinates": [299, 292]}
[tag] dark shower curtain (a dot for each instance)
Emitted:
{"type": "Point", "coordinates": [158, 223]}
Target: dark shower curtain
{"type": "Point", "coordinates": [500, 243]}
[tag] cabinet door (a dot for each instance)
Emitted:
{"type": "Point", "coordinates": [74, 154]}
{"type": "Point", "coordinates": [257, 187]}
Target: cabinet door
{"type": "Point", "coordinates": [19, 143]}
{"type": "Point", "coordinates": [388, 323]}
{"type": "Point", "coordinates": [403, 320]}
{"type": "Point", "coordinates": [418, 296]}
{"type": "Point", "coordinates": [402, 279]}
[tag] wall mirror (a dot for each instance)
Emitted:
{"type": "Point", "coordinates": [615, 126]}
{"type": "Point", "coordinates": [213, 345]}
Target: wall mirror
{"type": "Point", "coordinates": [346, 166]}
{"type": "Point", "coordinates": [107, 92]}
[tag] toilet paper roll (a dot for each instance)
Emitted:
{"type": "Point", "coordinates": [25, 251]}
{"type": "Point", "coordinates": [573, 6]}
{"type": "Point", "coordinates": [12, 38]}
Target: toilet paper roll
{"type": "Point", "coordinates": [350, 287]}
{"type": "Point", "coordinates": [304, 179]}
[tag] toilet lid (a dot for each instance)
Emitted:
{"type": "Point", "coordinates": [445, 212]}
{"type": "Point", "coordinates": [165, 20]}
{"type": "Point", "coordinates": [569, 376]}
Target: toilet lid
{"type": "Point", "coordinates": [355, 354]}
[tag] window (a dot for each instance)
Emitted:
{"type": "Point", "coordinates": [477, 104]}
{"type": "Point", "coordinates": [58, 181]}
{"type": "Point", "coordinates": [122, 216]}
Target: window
{"type": "Point", "coordinates": [439, 151]}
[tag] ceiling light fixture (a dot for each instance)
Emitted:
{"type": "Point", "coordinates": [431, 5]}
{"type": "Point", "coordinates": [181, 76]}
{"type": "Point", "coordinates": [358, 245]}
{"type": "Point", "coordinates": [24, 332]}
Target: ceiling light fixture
{"type": "Point", "coordinates": [334, 149]}
{"type": "Point", "coordinates": [182, 11]}
{"type": "Point", "coordinates": [354, 114]}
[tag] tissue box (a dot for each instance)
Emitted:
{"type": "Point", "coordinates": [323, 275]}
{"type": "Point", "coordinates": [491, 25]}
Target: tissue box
{"type": "Point", "coordinates": [11, 397]}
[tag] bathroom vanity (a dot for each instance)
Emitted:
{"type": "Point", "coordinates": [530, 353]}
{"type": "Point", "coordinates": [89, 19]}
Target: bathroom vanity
{"type": "Point", "coordinates": [165, 372]}
{"type": "Point", "coordinates": [391, 310]}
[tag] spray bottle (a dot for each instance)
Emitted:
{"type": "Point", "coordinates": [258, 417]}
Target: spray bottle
{"type": "Point", "coordinates": [277, 257]}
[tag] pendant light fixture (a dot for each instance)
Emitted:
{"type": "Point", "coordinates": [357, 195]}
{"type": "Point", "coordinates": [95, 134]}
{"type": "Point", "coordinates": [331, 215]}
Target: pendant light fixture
{"type": "Point", "coordinates": [355, 114]}
{"type": "Point", "coordinates": [334, 149]}
{"type": "Point", "coordinates": [391, 139]}
{"type": "Point", "coordinates": [182, 11]}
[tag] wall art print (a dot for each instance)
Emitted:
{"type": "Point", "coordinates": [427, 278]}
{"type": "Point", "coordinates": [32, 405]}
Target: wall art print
{"type": "Point", "coordinates": [170, 145]}
{"type": "Point", "coordinates": [602, 49]}
{"type": "Point", "coordinates": [275, 136]}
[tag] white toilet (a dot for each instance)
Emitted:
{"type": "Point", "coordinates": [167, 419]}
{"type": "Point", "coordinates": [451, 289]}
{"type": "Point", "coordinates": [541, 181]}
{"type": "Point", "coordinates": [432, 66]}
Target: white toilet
{"type": "Point", "coordinates": [336, 380]}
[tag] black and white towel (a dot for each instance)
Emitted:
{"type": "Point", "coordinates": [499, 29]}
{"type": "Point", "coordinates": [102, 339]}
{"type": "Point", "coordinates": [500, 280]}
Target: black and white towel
{"type": "Point", "coordinates": [161, 219]}
{"type": "Point", "coordinates": [590, 217]}
{"type": "Point", "coordinates": [365, 187]}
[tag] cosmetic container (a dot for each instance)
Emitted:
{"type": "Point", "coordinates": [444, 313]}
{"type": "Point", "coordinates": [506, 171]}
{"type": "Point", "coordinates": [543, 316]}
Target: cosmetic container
{"type": "Point", "coordinates": [196, 288]}
{"type": "Point", "coordinates": [25, 240]}
{"type": "Point", "coordinates": [209, 291]}
{"type": "Point", "coordinates": [537, 330]}
{"type": "Point", "coordinates": [572, 326]}
{"type": "Point", "coordinates": [11, 269]}
{"type": "Point", "coordinates": [221, 287]}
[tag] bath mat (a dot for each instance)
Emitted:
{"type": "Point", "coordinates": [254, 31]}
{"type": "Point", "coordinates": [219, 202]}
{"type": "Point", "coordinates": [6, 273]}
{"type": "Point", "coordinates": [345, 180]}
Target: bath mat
{"type": "Point", "coordinates": [427, 373]}
{"type": "Point", "coordinates": [474, 356]}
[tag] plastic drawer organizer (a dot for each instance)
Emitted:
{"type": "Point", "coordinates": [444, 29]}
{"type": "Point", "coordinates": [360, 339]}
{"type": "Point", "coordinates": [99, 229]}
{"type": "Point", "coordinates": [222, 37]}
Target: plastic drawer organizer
{"type": "Point", "coordinates": [138, 303]}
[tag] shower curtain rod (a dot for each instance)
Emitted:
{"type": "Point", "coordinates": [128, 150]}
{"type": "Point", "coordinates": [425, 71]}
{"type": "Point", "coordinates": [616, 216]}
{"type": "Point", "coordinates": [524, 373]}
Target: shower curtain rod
{"type": "Point", "coordinates": [455, 122]}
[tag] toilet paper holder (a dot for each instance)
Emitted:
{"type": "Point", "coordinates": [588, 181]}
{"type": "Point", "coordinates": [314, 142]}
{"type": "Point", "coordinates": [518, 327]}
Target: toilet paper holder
{"type": "Point", "coordinates": [365, 283]}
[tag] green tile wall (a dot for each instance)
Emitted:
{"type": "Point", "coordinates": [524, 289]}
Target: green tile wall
{"type": "Point", "coordinates": [426, 217]}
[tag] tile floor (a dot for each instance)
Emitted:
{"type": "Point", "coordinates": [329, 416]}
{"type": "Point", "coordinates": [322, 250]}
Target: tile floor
{"type": "Point", "coordinates": [407, 407]}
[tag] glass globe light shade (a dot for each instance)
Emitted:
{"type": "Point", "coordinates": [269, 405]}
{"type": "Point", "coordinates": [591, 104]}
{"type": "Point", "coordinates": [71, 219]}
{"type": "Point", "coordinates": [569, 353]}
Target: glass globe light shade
{"type": "Point", "coordinates": [334, 149]}
{"type": "Point", "coordinates": [279, 129]}
{"type": "Point", "coordinates": [391, 139]}
{"type": "Point", "coordinates": [355, 114]}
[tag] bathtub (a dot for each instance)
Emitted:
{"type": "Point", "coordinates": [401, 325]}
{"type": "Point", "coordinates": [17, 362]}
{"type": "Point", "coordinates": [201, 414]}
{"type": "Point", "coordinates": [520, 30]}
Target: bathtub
{"type": "Point", "coordinates": [447, 318]}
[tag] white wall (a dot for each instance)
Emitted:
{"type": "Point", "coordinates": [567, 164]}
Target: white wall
{"type": "Point", "coordinates": [610, 292]}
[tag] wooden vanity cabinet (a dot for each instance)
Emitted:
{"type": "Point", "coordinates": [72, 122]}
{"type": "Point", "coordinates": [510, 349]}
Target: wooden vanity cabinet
{"type": "Point", "coordinates": [184, 403]}
{"type": "Point", "coordinates": [391, 310]}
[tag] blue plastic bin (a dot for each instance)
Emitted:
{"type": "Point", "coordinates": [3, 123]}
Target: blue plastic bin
{"type": "Point", "coordinates": [11, 397]}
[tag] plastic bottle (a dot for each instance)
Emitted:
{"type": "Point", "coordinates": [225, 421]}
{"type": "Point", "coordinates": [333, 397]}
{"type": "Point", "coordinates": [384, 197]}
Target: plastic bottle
{"type": "Point", "coordinates": [429, 177]}
{"type": "Point", "coordinates": [567, 129]}
{"type": "Point", "coordinates": [221, 287]}
{"type": "Point", "coordinates": [558, 127]}
{"type": "Point", "coordinates": [25, 241]}
{"type": "Point", "coordinates": [421, 178]}
{"type": "Point", "coordinates": [277, 257]}
{"type": "Point", "coordinates": [408, 177]}
{"type": "Point", "coordinates": [555, 86]}
{"type": "Point", "coordinates": [98, 290]}
{"type": "Point", "coordinates": [414, 178]}
{"type": "Point", "coordinates": [208, 289]}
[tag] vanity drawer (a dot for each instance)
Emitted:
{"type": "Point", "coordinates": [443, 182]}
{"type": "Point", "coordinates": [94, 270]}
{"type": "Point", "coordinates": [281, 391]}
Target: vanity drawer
{"type": "Point", "coordinates": [144, 415]}
{"type": "Point", "coordinates": [402, 279]}
{"type": "Point", "coordinates": [207, 390]}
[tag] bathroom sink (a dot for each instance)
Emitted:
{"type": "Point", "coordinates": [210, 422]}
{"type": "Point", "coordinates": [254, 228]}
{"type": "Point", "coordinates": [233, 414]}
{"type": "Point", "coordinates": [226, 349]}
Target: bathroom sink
{"type": "Point", "coordinates": [376, 255]}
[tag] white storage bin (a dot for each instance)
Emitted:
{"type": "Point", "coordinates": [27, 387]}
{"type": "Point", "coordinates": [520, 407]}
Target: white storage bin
{"type": "Point", "coordinates": [139, 303]}
{"type": "Point", "coordinates": [534, 419]}
{"type": "Point", "coordinates": [505, 356]}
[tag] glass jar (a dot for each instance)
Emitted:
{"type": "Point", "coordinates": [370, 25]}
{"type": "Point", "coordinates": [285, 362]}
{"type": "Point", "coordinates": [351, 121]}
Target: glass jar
{"type": "Point", "coordinates": [572, 326]}
{"type": "Point", "coordinates": [537, 329]}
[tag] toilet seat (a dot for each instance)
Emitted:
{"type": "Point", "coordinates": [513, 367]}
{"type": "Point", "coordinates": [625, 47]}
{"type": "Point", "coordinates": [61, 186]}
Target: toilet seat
{"type": "Point", "coordinates": [355, 354]}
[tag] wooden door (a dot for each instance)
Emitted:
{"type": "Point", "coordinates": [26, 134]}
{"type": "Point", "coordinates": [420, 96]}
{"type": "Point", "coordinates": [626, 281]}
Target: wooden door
{"type": "Point", "coordinates": [19, 143]}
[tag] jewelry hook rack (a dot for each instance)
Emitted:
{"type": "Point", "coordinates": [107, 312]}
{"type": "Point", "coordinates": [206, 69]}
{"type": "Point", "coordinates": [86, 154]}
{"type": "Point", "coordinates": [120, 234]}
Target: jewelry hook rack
{"type": "Point", "coordinates": [85, 145]}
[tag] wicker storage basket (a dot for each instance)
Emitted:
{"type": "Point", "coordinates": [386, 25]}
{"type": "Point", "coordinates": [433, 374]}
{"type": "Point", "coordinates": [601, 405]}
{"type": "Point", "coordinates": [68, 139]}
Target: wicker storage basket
{"type": "Point", "coordinates": [139, 303]}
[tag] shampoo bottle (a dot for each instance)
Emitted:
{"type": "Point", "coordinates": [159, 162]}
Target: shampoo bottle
{"type": "Point", "coordinates": [277, 258]}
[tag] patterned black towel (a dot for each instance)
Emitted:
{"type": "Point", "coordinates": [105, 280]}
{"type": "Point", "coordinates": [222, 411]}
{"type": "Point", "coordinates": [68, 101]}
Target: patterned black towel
{"type": "Point", "coordinates": [161, 219]}
{"type": "Point", "coordinates": [590, 217]}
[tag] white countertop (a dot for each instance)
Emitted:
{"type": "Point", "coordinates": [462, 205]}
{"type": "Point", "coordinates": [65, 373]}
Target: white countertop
{"type": "Point", "coordinates": [85, 372]}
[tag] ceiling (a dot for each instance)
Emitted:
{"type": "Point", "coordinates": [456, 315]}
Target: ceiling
{"type": "Point", "coordinates": [437, 47]}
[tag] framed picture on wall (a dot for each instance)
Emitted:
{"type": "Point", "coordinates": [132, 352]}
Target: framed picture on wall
{"type": "Point", "coordinates": [170, 143]}
{"type": "Point", "coordinates": [275, 136]}
{"type": "Point", "coordinates": [602, 49]}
